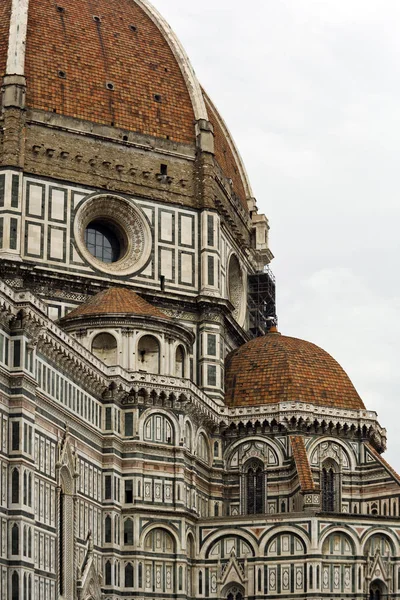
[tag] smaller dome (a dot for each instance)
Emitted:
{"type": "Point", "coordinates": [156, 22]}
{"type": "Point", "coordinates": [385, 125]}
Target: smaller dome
{"type": "Point", "coordinates": [115, 301]}
{"type": "Point", "coordinates": [277, 368]}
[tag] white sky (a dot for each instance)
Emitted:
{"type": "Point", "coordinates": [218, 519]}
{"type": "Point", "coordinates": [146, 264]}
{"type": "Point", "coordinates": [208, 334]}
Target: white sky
{"type": "Point", "coordinates": [310, 91]}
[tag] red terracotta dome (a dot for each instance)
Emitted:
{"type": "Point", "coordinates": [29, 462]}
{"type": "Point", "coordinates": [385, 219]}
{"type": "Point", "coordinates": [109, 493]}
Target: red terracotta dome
{"type": "Point", "coordinates": [277, 368]}
{"type": "Point", "coordinates": [117, 63]}
{"type": "Point", "coordinates": [114, 301]}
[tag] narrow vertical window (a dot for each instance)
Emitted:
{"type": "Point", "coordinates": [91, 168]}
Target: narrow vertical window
{"type": "Point", "coordinates": [2, 189]}
{"type": "Point", "coordinates": [107, 530]}
{"type": "Point", "coordinates": [129, 424]}
{"type": "Point", "coordinates": [255, 489]}
{"type": "Point", "coordinates": [108, 419]}
{"type": "Point", "coordinates": [129, 575]}
{"type": "Point", "coordinates": [15, 486]}
{"type": "Point", "coordinates": [15, 586]}
{"type": "Point", "coordinates": [107, 487]}
{"type": "Point", "coordinates": [210, 270]}
{"type": "Point", "coordinates": [128, 491]}
{"type": "Point", "coordinates": [328, 485]}
{"type": "Point", "coordinates": [13, 234]}
{"type": "Point", "coordinates": [15, 435]}
{"type": "Point", "coordinates": [15, 539]}
{"type": "Point", "coordinates": [210, 230]}
{"type": "Point", "coordinates": [14, 191]}
{"type": "Point", "coordinates": [108, 573]}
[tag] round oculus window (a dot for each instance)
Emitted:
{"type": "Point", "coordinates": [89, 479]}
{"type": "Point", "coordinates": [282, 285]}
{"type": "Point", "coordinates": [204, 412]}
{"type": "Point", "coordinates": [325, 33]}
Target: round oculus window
{"type": "Point", "coordinates": [112, 234]}
{"type": "Point", "coordinates": [102, 241]}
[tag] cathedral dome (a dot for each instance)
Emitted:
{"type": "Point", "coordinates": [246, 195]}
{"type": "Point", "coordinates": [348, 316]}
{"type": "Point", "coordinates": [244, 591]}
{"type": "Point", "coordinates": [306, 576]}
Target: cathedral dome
{"type": "Point", "coordinates": [112, 302]}
{"type": "Point", "coordinates": [277, 368]}
{"type": "Point", "coordinates": [117, 63]}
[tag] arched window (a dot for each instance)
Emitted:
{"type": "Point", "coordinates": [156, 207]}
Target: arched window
{"type": "Point", "coordinates": [180, 362]}
{"type": "Point", "coordinates": [128, 532]}
{"type": "Point", "coordinates": [255, 488]}
{"type": "Point", "coordinates": [234, 593]}
{"type": "Point", "coordinates": [116, 529]}
{"type": "Point", "coordinates": [108, 573]}
{"type": "Point", "coordinates": [202, 448]}
{"type": "Point", "coordinates": [216, 509]}
{"type": "Point", "coordinates": [140, 575]}
{"type": "Point", "coordinates": [200, 582]}
{"type": "Point", "coordinates": [104, 347]}
{"type": "Point", "coordinates": [107, 530]}
{"type": "Point", "coordinates": [129, 575]}
{"type": "Point", "coordinates": [159, 428]}
{"type": "Point", "coordinates": [15, 539]}
{"type": "Point", "coordinates": [330, 487]}
{"type": "Point", "coordinates": [15, 586]}
{"type": "Point", "coordinates": [148, 354]}
{"type": "Point", "coordinates": [15, 486]}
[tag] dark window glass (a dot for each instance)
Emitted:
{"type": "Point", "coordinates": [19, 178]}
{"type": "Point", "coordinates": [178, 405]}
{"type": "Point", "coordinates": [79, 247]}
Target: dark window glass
{"type": "Point", "coordinates": [140, 575]}
{"type": "Point", "coordinates": [2, 189]}
{"type": "Point", "coordinates": [14, 191]}
{"type": "Point", "coordinates": [129, 575]}
{"type": "Point", "coordinates": [102, 242]}
{"type": "Point", "coordinates": [15, 587]}
{"type": "Point", "coordinates": [108, 419]}
{"type": "Point", "coordinates": [15, 539]}
{"type": "Point", "coordinates": [210, 230]}
{"type": "Point", "coordinates": [1, 232]}
{"type": "Point", "coordinates": [15, 487]}
{"type": "Point", "coordinates": [211, 344]}
{"type": "Point", "coordinates": [13, 234]}
{"type": "Point", "coordinates": [200, 582]}
{"type": "Point", "coordinates": [210, 263]}
{"type": "Point", "coordinates": [255, 490]}
{"type": "Point", "coordinates": [129, 424]}
{"type": "Point", "coordinates": [107, 530]}
{"type": "Point", "coordinates": [15, 435]}
{"type": "Point", "coordinates": [107, 487]}
{"type": "Point", "coordinates": [108, 573]}
{"type": "Point", "coordinates": [128, 532]}
{"type": "Point", "coordinates": [211, 375]}
{"type": "Point", "coordinates": [328, 490]}
{"type": "Point", "coordinates": [17, 353]}
{"type": "Point", "coordinates": [128, 491]}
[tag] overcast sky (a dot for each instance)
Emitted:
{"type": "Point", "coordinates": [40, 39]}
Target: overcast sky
{"type": "Point", "coordinates": [310, 90]}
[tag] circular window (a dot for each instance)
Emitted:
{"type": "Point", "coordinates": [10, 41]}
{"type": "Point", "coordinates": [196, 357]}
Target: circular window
{"type": "Point", "coordinates": [112, 234]}
{"type": "Point", "coordinates": [102, 241]}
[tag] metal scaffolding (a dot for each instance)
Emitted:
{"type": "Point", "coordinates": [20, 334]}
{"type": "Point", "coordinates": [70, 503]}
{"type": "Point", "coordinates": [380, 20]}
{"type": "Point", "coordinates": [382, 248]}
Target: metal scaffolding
{"type": "Point", "coordinates": [261, 301]}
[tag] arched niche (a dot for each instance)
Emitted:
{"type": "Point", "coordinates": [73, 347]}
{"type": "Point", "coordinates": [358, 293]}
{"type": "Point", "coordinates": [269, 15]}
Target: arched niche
{"type": "Point", "coordinates": [180, 361]}
{"type": "Point", "coordinates": [105, 347]}
{"type": "Point", "coordinates": [148, 354]}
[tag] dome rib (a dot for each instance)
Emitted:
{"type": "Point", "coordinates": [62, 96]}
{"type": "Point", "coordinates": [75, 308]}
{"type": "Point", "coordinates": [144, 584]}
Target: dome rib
{"type": "Point", "coordinates": [277, 368]}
